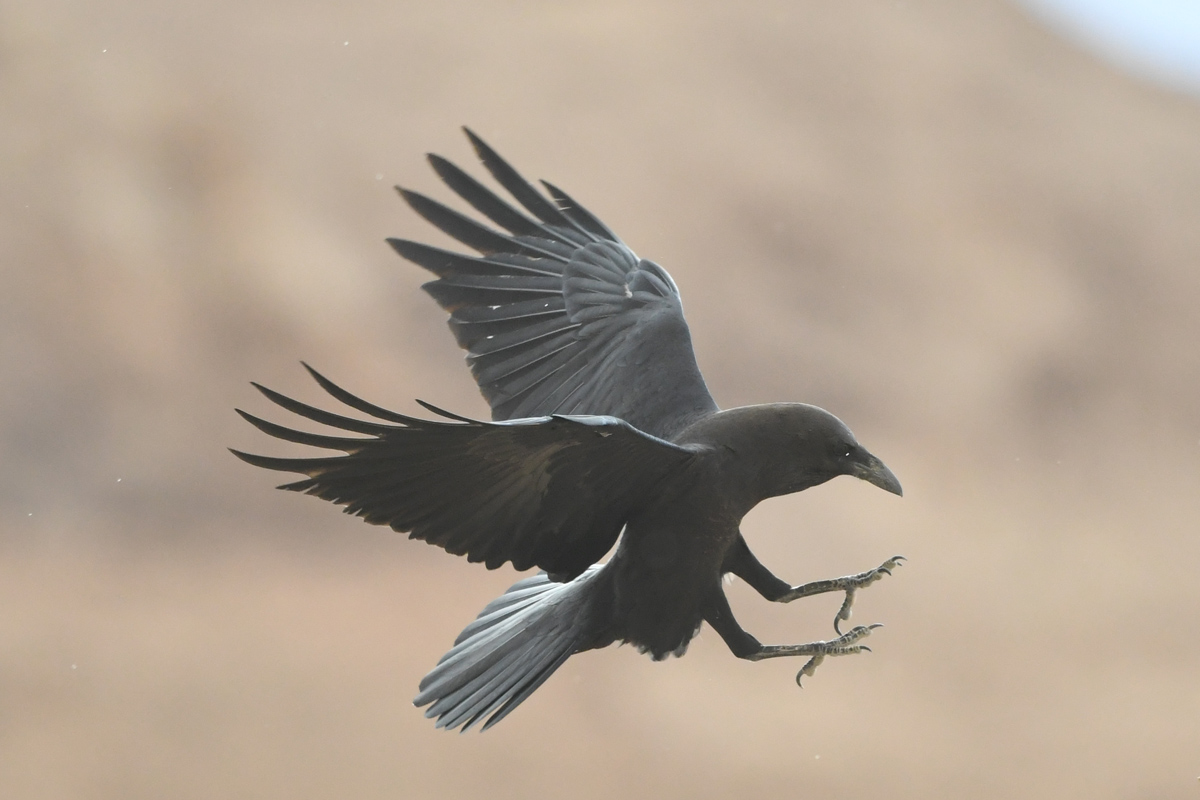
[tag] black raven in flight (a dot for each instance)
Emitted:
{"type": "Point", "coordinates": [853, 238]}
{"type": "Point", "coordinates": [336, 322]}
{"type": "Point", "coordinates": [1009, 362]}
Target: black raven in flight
{"type": "Point", "coordinates": [602, 426]}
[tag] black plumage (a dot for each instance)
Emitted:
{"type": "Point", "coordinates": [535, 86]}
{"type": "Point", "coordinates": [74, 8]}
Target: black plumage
{"type": "Point", "coordinates": [602, 428]}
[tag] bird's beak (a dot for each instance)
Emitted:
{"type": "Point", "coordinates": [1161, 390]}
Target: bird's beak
{"type": "Point", "coordinates": [874, 471]}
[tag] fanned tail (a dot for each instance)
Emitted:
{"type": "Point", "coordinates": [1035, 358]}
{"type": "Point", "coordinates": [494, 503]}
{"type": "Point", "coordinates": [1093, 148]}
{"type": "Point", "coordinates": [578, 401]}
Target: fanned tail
{"type": "Point", "coordinates": [510, 649]}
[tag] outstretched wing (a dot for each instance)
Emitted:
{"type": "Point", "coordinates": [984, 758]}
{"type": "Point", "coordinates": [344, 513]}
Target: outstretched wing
{"type": "Point", "coordinates": [558, 315]}
{"type": "Point", "coordinates": [552, 492]}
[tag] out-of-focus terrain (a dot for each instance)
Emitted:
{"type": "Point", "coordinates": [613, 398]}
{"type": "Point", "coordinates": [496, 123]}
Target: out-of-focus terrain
{"type": "Point", "coordinates": [977, 245]}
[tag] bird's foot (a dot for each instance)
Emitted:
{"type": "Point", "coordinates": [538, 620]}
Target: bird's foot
{"type": "Point", "coordinates": [837, 649]}
{"type": "Point", "coordinates": [849, 584]}
{"type": "Point", "coordinates": [845, 645]}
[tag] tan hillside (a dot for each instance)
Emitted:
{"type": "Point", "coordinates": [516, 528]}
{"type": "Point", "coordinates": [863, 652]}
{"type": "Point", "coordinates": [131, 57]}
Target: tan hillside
{"type": "Point", "coordinates": [976, 244]}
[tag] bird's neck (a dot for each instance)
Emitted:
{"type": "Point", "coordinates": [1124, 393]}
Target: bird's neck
{"type": "Point", "coordinates": [751, 447]}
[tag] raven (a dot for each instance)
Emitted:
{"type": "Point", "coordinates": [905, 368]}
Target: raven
{"type": "Point", "coordinates": [603, 429]}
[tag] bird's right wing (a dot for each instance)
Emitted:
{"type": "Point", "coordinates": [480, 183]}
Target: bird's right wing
{"type": "Point", "coordinates": [558, 315]}
{"type": "Point", "coordinates": [552, 492]}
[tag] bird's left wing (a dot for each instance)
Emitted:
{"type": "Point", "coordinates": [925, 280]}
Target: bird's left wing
{"type": "Point", "coordinates": [557, 314]}
{"type": "Point", "coordinates": [551, 492]}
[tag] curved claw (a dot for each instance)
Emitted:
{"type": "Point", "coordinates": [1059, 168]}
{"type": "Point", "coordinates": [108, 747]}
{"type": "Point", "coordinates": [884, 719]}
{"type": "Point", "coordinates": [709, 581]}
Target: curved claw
{"type": "Point", "coordinates": [891, 564]}
{"type": "Point", "coordinates": [859, 632]}
{"type": "Point", "coordinates": [808, 669]}
{"type": "Point", "coordinates": [844, 613]}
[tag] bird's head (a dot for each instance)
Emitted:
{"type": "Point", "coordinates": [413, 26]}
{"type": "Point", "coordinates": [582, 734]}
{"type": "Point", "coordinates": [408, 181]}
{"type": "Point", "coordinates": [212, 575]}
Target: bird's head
{"type": "Point", "coordinates": [822, 447]}
{"type": "Point", "coordinates": [829, 449]}
{"type": "Point", "coordinates": [793, 446]}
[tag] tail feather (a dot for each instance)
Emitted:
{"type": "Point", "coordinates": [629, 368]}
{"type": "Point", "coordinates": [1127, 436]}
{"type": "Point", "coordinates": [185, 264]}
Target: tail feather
{"type": "Point", "coordinates": [508, 651]}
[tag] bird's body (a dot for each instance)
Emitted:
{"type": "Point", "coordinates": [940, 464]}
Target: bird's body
{"type": "Point", "coordinates": [670, 559]}
{"type": "Point", "coordinates": [676, 551]}
{"type": "Point", "coordinates": [604, 430]}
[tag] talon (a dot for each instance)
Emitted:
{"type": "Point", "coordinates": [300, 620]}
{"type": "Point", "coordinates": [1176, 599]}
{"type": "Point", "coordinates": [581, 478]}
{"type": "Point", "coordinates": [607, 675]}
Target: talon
{"type": "Point", "coordinates": [844, 613]}
{"type": "Point", "coordinates": [808, 669]}
{"type": "Point", "coordinates": [860, 632]}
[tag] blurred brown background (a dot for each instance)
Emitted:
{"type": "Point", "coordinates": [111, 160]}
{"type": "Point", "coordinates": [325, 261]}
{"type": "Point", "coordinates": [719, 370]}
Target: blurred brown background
{"type": "Point", "coordinates": [972, 241]}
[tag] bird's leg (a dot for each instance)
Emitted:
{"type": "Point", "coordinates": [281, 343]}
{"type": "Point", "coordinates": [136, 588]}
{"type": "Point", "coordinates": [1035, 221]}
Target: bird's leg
{"type": "Point", "coordinates": [741, 562]}
{"type": "Point", "coordinates": [744, 645]}
{"type": "Point", "coordinates": [849, 584]}
{"type": "Point", "coordinates": [844, 645]}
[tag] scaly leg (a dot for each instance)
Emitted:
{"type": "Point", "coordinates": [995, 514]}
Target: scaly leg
{"type": "Point", "coordinates": [741, 562]}
{"type": "Point", "coordinates": [844, 645]}
{"type": "Point", "coordinates": [744, 645]}
{"type": "Point", "coordinates": [849, 584]}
